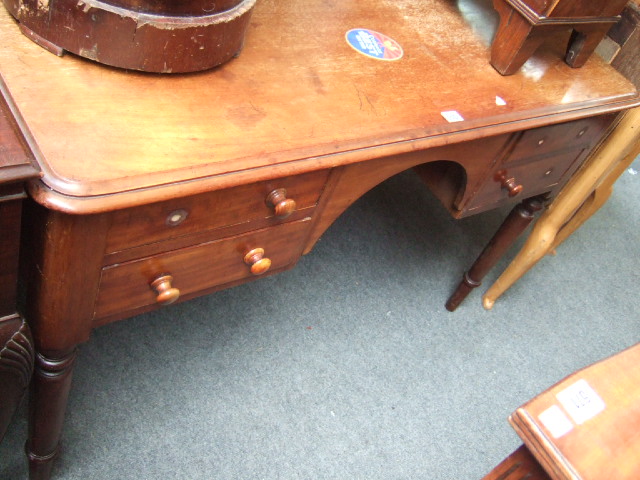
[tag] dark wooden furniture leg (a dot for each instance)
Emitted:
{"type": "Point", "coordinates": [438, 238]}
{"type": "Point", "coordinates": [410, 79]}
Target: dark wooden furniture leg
{"type": "Point", "coordinates": [61, 249]}
{"type": "Point", "coordinates": [47, 404]}
{"type": "Point", "coordinates": [584, 40]}
{"type": "Point", "coordinates": [515, 223]}
{"type": "Point", "coordinates": [515, 41]}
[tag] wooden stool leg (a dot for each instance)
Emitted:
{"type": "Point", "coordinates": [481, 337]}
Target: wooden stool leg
{"type": "Point", "coordinates": [623, 145]}
{"type": "Point", "coordinates": [517, 221]}
{"type": "Point", "coordinates": [48, 400]}
{"type": "Point", "coordinates": [583, 42]}
{"type": "Point", "coordinates": [515, 41]}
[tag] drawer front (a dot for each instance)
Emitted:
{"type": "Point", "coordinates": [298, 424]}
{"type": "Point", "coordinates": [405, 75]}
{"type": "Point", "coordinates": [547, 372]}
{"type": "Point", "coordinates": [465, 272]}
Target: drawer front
{"type": "Point", "coordinates": [554, 139]}
{"type": "Point", "coordinates": [540, 160]}
{"type": "Point", "coordinates": [238, 206]}
{"type": "Point", "coordinates": [537, 177]}
{"type": "Point", "coordinates": [126, 286]}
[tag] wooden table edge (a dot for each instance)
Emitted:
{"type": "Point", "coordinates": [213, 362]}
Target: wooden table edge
{"type": "Point", "coordinates": [57, 194]}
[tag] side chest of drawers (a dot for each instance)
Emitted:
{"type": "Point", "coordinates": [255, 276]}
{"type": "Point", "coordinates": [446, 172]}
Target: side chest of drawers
{"type": "Point", "coordinates": [523, 164]}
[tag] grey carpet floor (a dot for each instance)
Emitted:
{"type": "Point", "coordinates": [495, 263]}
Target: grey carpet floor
{"type": "Point", "coordinates": [348, 366]}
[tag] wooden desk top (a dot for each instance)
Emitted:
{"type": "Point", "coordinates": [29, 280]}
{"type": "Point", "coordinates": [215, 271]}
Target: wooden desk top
{"type": "Point", "coordinates": [298, 98]}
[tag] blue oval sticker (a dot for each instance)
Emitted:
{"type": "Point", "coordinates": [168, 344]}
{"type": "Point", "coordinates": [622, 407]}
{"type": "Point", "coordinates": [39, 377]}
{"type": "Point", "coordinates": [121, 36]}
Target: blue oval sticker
{"type": "Point", "coordinates": [374, 44]}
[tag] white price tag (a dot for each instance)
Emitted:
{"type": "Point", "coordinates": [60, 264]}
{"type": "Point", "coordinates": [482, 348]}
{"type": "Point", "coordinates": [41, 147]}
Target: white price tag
{"type": "Point", "coordinates": [581, 402]}
{"type": "Point", "coordinates": [556, 421]}
{"type": "Point", "coordinates": [452, 116]}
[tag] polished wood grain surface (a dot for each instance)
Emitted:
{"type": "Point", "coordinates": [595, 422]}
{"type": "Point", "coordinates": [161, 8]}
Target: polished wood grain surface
{"type": "Point", "coordinates": [263, 114]}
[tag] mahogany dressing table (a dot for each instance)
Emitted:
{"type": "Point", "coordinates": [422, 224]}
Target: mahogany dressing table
{"type": "Point", "coordinates": [158, 189]}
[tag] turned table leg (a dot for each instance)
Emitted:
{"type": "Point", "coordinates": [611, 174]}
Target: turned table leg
{"type": "Point", "coordinates": [48, 400]}
{"type": "Point", "coordinates": [61, 274]}
{"type": "Point", "coordinates": [591, 184]}
{"type": "Point", "coordinates": [515, 223]}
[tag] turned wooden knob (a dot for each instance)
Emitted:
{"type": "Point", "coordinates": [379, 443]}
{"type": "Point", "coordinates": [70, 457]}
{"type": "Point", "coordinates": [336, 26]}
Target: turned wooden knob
{"type": "Point", "coordinates": [282, 205]}
{"type": "Point", "coordinates": [258, 262]}
{"type": "Point", "coordinates": [509, 183]}
{"type": "Point", "coordinates": [165, 293]}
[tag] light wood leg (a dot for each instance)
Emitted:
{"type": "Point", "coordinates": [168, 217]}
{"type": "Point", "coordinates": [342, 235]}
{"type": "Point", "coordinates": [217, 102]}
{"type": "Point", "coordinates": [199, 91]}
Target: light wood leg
{"type": "Point", "coordinates": [595, 201]}
{"type": "Point", "coordinates": [621, 147]}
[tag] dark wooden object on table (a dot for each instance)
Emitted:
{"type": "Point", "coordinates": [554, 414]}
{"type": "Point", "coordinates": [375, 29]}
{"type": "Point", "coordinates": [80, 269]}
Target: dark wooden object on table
{"type": "Point", "coordinates": [621, 46]}
{"type": "Point", "coordinates": [167, 36]}
{"type": "Point", "coordinates": [16, 345]}
{"type": "Point", "coordinates": [525, 24]}
{"type": "Point", "coordinates": [158, 189]}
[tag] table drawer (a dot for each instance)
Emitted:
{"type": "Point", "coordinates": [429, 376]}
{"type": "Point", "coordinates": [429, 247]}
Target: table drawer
{"type": "Point", "coordinates": [127, 286]}
{"type": "Point", "coordinates": [539, 161]}
{"type": "Point", "coordinates": [237, 207]}
{"type": "Point", "coordinates": [556, 138]}
{"type": "Point", "coordinates": [526, 179]}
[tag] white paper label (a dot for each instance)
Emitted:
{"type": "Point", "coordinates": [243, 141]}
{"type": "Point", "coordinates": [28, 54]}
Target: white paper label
{"type": "Point", "coordinates": [555, 420]}
{"type": "Point", "coordinates": [581, 402]}
{"type": "Point", "coordinates": [452, 116]}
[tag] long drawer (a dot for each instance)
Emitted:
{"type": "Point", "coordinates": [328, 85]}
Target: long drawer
{"type": "Point", "coordinates": [219, 213]}
{"type": "Point", "coordinates": [129, 286]}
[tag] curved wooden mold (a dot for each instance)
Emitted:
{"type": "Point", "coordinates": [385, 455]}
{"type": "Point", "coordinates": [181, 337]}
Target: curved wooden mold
{"type": "Point", "coordinates": [163, 36]}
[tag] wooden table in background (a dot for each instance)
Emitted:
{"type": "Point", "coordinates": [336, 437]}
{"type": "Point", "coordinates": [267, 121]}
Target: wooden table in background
{"type": "Point", "coordinates": [16, 346]}
{"type": "Point", "coordinates": [585, 427]}
{"type": "Point", "coordinates": [158, 187]}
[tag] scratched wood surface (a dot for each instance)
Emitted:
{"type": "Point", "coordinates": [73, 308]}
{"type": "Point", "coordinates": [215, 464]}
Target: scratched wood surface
{"type": "Point", "coordinates": [298, 98]}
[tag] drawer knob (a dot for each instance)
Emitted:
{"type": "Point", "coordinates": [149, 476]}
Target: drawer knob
{"type": "Point", "coordinates": [165, 293]}
{"type": "Point", "coordinates": [258, 262]}
{"type": "Point", "coordinates": [508, 183]}
{"type": "Point", "coordinates": [282, 206]}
